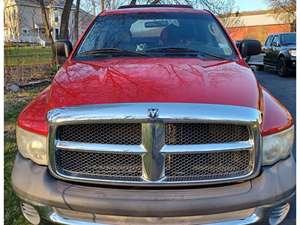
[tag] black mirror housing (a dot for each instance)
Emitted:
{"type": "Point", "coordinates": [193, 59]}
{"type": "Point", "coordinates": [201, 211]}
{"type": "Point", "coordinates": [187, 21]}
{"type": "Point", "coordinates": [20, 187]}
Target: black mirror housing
{"type": "Point", "coordinates": [249, 48]}
{"type": "Point", "coordinates": [63, 49]}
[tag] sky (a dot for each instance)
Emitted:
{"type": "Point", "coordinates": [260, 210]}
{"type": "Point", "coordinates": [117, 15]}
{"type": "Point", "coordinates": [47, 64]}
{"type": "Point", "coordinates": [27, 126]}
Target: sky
{"type": "Point", "coordinates": [246, 5]}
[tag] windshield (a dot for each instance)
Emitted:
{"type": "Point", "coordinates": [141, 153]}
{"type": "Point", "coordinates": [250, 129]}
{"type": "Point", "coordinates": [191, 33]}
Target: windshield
{"type": "Point", "coordinates": [288, 38]}
{"type": "Point", "coordinates": [157, 34]}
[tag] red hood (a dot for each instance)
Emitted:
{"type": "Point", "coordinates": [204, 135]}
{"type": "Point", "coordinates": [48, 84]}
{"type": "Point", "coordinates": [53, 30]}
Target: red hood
{"type": "Point", "coordinates": [154, 80]}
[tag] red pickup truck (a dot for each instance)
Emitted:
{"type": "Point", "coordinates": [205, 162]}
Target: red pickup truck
{"type": "Point", "coordinates": [155, 118]}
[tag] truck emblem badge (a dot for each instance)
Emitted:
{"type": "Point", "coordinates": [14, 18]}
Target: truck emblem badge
{"type": "Point", "coordinates": [153, 113]}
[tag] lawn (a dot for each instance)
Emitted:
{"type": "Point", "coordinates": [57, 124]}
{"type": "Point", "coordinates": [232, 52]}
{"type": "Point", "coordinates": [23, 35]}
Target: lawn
{"type": "Point", "coordinates": [13, 104]}
{"type": "Point", "coordinates": [29, 55]}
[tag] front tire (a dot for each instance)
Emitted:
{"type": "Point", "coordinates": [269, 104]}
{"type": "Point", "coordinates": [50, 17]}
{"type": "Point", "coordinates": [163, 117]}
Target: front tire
{"type": "Point", "coordinates": [281, 67]}
{"type": "Point", "coordinates": [260, 68]}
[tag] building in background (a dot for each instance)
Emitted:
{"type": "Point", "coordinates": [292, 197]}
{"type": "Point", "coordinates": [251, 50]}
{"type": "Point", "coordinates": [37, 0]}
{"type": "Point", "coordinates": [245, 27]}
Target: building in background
{"type": "Point", "coordinates": [258, 24]}
{"type": "Point", "coordinates": [23, 20]}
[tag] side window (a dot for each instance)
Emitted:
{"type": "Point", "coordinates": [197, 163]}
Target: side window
{"type": "Point", "coordinates": [269, 41]}
{"type": "Point", "coordinates": [275, 41]}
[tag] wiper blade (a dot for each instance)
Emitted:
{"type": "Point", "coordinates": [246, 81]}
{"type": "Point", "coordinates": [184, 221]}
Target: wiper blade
{"type": "Point", "coordinates": [171, 50]}
{"type": "Point", "coordinates": [184, 51]}
{"type": "Point", "coordinates": [111, 51]}
{"type": "Point", "coordinates": [212, 55]}
{"type": "Point", "coordinates": [167, 50]}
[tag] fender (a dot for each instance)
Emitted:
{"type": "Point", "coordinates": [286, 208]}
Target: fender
{"type": "Point", "coordinates": [275, 117]}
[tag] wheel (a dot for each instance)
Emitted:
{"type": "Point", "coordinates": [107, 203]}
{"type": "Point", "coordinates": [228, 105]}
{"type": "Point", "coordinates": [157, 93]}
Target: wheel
{"type": "Point", "coordinates": [260, 67]}
{"type": "Point", "coordinates": [281, 67]}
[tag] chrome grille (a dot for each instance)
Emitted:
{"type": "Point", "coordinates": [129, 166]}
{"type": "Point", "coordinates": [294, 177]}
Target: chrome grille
{"type": "Point", "coordinates": [206, 166]}
{"type": "Point", "coordinates": [198, 133]}
{"type": "Point", "coordinates": [99, 165]}
{"type": "Point", "coordinates": [115, 133]}
{"type": "Point", "coordinates": [208, 144]}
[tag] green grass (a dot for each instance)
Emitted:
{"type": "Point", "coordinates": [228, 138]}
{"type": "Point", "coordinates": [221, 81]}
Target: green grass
{"type": "Point", "coordinates": [16, 56]}
{"type": "Point", "coordinates": [13, 104]}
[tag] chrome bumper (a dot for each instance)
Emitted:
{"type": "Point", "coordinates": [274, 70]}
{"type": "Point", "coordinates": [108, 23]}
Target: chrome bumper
{"type": "Point", "coordinates": [59, 202]}
{"type": "Point", "coordinates": [259, 215]}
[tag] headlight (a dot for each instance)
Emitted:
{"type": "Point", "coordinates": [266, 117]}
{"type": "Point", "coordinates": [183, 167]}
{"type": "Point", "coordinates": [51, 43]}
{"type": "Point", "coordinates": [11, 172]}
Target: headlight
{"type": "Point", "coordinates": [293, 52]}
{"type": "Point", "coordinates": [32, 146]}
{"type": "Point", "coordinates": [277, 146]}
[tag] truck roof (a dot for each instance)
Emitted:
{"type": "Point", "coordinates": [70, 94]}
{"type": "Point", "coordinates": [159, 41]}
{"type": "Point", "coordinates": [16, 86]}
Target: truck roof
{"type": "Point", "coordinates": [155, 6]}
{"type": "Point", "coordinates": [127, 9]}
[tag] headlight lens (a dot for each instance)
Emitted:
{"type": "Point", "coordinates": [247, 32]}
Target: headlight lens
{"type": "Point", "coordinates": [277, 146]}
{"type": "Point", "coordinates": [32, 146]}
{"type": "Point", "coordinates": [293, 52]}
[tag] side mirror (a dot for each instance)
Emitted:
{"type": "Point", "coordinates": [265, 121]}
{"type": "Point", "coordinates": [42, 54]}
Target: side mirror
{"type": "Point", "coordinates": [249, 47]}
{"type": "Point", "coordinates": [63, 50]}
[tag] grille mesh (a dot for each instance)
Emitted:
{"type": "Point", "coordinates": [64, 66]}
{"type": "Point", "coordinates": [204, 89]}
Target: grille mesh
{"type": "Point", "coordinates": [204, 166]}
{"type": "Point", "coordinates": [115, 133]}
{"type": "Point", "coordinates": [193, 133]}
{"type": "Point", "coordinates": [99, 165]}
{"type": "Point", "coordinates": [179, 166]}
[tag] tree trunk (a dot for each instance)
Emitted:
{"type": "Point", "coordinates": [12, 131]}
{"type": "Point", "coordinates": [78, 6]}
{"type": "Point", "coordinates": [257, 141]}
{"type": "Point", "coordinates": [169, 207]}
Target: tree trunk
{"type": "Point", "coordinates": [77, 20]}
{"type": "Point", "coordinates": [48, 30]}
{"type": "Point", "coordinates": [293, 26]}
{"type": "Point", "coordinates": [102, 5]}
{"type": "Point", "coordinates": [64, 25]}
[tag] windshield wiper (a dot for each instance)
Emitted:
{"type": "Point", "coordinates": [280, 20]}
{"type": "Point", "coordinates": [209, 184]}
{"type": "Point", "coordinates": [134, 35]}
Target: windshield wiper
{"type": "Point", "coordinates": [171, 50]}
{"type": "Point", "coordinates": [112, 51]}
{"type": "Point", "coordinates": [184, 51]}
{"type": "Point", "coordinates": [212, 55]}
{"type": "Point", "coordinates": [166, 50]}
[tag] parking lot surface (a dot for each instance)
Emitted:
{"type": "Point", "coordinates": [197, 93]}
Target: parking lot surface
{"type": "Point", "coordinates": [284, 89]}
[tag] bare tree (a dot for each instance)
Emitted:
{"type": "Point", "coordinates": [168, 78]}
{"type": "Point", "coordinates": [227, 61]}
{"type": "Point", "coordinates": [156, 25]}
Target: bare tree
{"type": "Point", "coordinates": [102, 5]}
{"type": "Point", "coordinates": [215, 6]}
{"type": "Point", "coordinates": [48, 29]}
{"type": "Point", "coordinates": [64, 25]}
{"type": "Point", "coordinates": [11, 22]}
{"type": "Point", "coordinates": [286, 11]}
{"type": "Point", "coordinates": [230, 15]}
{"type": "Point", "coordinates": [77, 19]}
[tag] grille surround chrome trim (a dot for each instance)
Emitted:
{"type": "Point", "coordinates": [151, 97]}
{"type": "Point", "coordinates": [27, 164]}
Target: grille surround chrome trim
{"type": "Point", "coordinates": [153, 174]}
